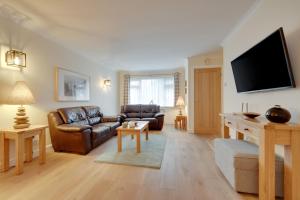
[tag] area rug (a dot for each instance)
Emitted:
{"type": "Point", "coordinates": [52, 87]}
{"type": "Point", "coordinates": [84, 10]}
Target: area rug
{"type": "Point", "coordinates": [152, 152]}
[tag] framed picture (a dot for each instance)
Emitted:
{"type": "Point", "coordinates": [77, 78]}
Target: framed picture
{"type": "Point", "coordinates": [71, 86]}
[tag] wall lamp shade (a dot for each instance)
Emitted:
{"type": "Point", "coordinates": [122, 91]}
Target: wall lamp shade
{"type": "Point", "coordinates": [107, 82]}
{"type": "Point", "coordinates": [15, 58]}
{"type": "Point", "coordinates": [180, 103]}
{"type": "Point", "coordinates": [21, 95]}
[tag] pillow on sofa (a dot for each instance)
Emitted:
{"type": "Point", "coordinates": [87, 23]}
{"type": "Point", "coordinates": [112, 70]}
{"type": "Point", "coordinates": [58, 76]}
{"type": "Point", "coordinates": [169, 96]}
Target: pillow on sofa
{"type": "Point", "coordinates": [148, 111]}
{"type": "Point", "coordinates": [132, 111]}
{"type": "Point", "coordinates": [94, 114]}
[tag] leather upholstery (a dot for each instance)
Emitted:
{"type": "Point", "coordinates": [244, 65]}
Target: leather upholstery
{"type": "Point", "coordinates": [73, 115]}
{"type": "Point", "coordinates": [132, 111]}
{"type": "Point", "coordinates": [111, 119]}
{"type": "Point", "coordinates": [73, 127]}
{"type": "Point", "coordinates": [112, 125]}
{"type": "Point", "coordinates": [93, 113]}
{"type": "Point", "coordinates": [149, 113]}
{"type": "Point", "coordinates": [80, 129]}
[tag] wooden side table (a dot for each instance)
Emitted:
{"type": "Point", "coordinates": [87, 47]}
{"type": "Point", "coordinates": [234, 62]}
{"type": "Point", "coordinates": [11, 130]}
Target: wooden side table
{"type": "Point", "coordinates": [23, 140]}
{"type": "Point", "coordinates": [181, 122]}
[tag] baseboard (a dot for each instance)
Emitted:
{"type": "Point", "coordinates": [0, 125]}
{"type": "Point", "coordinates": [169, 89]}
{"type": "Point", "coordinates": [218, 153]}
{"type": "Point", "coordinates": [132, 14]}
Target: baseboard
{"type": "Point", "coordinates": [35, 154]}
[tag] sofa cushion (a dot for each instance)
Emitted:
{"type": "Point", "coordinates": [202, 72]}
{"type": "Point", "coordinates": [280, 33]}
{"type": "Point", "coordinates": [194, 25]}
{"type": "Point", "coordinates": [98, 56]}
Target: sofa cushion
{"type": "Point", "coordinates": [112, 125]}
{"type": "Point", "coordinates": [93, 113]}
{"type": "Point", "coordinates": [147, 115]}
{"type": "Point", "coordinates": [73, 115]}
{"type": "Point", "coordinates": [151, 108]}
{"type": "Point", "coordinates": [148, 111]}
{"type": "Point", "coordinates": [100, 130]}
{"type": "Point", "coordinates": [150, 119]}
{"type": "Point", "coordinates": [132, 111]}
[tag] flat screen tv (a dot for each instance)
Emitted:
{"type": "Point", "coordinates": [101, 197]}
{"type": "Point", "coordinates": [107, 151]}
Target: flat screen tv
{"type": "Point", "coordinates": [266, 66]}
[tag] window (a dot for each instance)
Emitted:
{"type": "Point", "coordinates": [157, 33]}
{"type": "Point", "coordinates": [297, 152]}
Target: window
{"type": "Point", "coordinates": [154, 89]}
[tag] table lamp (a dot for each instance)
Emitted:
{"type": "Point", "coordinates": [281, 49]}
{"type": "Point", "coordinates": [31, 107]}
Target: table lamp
{"type": "Point", "coordinates": [21, 95]}
{"type": "Point", "coordinates": [180, 103]}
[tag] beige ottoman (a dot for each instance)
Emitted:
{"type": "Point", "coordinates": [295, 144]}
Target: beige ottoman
{"type": "Point", "coordinates": [238, 161]}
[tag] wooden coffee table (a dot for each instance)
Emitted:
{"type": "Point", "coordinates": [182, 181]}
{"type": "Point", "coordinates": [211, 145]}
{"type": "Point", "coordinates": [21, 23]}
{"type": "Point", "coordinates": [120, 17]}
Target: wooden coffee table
{"type": "Point", "coordinates": [138, 130]}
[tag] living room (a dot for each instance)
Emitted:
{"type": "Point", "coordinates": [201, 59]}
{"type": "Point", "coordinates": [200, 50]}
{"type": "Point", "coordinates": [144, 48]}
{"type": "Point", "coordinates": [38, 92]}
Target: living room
{"type": "Point", "coordinates": [119, 55]}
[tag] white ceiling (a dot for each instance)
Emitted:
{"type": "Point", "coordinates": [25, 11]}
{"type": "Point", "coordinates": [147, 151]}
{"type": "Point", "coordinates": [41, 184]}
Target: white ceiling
{"type": "Point", "coordinates": [134, 34]}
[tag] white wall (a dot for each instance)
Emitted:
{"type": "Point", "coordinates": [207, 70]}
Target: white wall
{"type": "Point", "coordinates": [268, 16]}
{"type": "Point", "coordinates": [42, 57]}
{"type": "Point", "coordinates": [170, 113]}
{"type": "Point", "coordinates": [205, 60]}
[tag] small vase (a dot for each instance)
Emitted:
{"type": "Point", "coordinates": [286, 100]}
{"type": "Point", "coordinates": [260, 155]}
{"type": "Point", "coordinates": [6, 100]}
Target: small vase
{"type": "Point", "coordinates": [278, 114]}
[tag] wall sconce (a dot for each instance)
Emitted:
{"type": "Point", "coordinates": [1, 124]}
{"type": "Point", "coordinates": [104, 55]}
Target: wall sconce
{"type": "Point", "coordinates": [15, 58]}
{"type": "Point", "coordinates": [107, 83]}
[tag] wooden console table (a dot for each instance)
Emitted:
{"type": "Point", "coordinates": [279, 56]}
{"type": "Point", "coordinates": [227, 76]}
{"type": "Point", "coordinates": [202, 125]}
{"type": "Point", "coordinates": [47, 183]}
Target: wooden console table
{"type": "Point", "coordinates": [181, 122]}
{"type": "Point", "coordinates": [23, 140]}
{"type": "Point", "coordinates": [268, 134]}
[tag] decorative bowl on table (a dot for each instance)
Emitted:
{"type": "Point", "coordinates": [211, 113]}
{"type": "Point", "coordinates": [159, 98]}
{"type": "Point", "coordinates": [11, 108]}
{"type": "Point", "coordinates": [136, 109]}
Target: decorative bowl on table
{"type": "Point", "coordinates": [132, 124]}
{"type": "Point", "coordinates": [251, 115]}
{"type": "Point", "coordinates": [125, 124]}
{"type": "Point", "coordinates": [278, 114]}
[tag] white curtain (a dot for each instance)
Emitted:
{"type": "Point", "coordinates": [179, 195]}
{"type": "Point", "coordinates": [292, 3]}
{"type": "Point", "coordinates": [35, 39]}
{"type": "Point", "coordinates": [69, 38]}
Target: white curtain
{"type": "Point", "coordinates": [154, 89]}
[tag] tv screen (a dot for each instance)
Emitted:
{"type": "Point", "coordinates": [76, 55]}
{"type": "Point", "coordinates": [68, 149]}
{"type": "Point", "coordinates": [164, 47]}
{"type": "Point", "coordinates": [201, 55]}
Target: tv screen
{"type": "Point", "coordinates": [265, 66]}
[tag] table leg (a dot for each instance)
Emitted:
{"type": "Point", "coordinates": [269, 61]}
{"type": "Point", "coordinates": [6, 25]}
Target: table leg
{"type": "Point", "coordinates": [119, 141]}
{"type": "Point", "coordinates": [291, 168]}
{"type": "Point", "coordinates": [175, 123]}
{"type": "Point", "coordinates": [28, 149]}
{"type": "Point", "coordinates": [138, 142]}
{"type": "Point", "coordinates": [147, 132]}
{"type": "Point", "coordinates": [239, 136]}
{"type": "Point", "coordinates": [226, 132]}
{"type": "Point", "coordinates": [267, 166]}
{"type": "Point", "coordinates": [4, 149]}
{"type": "Point", "coordinates": [19, 153]}
{"type": "Point", "coordinates": [42, 146]}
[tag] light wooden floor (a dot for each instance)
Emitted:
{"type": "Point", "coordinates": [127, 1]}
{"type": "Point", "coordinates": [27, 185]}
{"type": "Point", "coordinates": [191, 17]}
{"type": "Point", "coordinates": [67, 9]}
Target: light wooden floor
{"type": "Point", "coordinates": [188, 172]}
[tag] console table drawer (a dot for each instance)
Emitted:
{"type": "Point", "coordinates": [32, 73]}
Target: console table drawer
{"type": "Point", "coordinates": [230, 123]}
{"type": "Point", "coordinates": [250, 130]}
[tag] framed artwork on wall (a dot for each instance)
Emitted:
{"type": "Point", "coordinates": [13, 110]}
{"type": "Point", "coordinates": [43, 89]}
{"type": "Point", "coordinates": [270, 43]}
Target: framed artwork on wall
{"type": "Point", "coordinates": [71, 86]}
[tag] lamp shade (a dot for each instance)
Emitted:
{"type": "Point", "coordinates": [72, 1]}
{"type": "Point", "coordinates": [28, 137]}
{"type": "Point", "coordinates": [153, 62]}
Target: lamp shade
{"type": "Point", "coordinates": [21, 94]}
{"type": "Point", "coordinates": [180, 101]}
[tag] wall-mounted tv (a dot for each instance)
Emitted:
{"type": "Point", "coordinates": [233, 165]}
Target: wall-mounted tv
{"type": "Point", "coordinates": [266, 66]}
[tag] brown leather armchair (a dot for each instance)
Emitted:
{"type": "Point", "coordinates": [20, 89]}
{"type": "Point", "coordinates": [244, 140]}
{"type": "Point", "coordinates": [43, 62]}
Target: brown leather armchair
{"type": "Point", "coordinates": [139, 112]}
{"type": "Point", "coordinates": [80, 129]}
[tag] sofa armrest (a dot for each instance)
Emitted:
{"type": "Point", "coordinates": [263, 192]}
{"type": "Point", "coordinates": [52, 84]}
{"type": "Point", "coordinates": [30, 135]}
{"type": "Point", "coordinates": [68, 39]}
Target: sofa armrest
{"type": "Point", "coordinates": [123, 116]}
{"type": "Point", "coordinates": [73, 127]}
{"type": "Point", "coordinates": [159, 115]}
{"type": "Point", "coordinates": [110, 119]}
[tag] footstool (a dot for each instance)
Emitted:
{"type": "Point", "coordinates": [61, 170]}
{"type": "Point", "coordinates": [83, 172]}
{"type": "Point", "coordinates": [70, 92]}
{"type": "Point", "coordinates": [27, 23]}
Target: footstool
{"type": "Point", "coordinates": [238, 161]}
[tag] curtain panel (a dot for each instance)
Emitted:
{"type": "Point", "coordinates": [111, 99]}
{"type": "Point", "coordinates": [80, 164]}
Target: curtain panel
{"type": "Point", "coordinates": [176, 86]}
{"type": "Point", "coordinates": [126, 89]}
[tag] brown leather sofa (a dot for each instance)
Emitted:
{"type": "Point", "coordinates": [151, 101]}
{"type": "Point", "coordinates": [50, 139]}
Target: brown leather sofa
{"type": "Point", "coordinates": [80, 129]}
{"type": "Point", "coordinates": [139, 112]}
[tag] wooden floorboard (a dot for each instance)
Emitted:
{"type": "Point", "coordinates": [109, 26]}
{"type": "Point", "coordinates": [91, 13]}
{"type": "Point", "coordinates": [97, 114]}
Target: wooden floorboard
{"type": "Point", "coordinates": [188, 172]}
